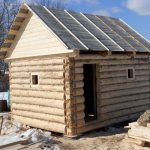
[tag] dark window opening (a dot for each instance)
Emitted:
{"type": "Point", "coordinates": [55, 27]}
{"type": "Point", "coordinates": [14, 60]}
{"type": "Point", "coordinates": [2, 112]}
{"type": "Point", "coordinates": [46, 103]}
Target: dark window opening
{"type": "Point", "coordinates": [90, 92]}
{"type": "Point", "coordinates": [35, 80]}
{"type": "Point", "coordinates": [131, 73]}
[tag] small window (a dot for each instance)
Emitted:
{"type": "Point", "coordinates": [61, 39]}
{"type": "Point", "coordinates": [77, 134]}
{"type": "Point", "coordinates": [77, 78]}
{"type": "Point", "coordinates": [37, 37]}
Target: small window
{"type": "Point", "coordinates": [130, 73]}
{"type": "Point", "coordinates": [34, 79]}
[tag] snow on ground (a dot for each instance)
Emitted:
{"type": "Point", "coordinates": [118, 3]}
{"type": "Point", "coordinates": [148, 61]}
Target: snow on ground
{"type": "Point", "coordinates": [32, 135]}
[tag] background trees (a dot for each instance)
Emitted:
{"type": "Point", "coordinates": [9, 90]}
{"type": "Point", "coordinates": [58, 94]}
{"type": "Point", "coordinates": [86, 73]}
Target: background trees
{"type": "Point", "coordinates": [9, 9]}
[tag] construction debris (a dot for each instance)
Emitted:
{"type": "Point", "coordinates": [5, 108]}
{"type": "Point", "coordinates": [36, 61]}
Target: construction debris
{"type": "Point", "coordinates": [139, 132]}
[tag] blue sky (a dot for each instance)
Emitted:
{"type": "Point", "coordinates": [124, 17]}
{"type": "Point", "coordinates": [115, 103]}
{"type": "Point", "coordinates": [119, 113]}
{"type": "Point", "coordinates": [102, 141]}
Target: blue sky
{"type": "Point", "coordinates": [135, 12]}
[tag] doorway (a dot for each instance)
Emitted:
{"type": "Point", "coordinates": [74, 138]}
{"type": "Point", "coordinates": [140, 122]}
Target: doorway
{"type": "Point", "coordinates": [90, 92]}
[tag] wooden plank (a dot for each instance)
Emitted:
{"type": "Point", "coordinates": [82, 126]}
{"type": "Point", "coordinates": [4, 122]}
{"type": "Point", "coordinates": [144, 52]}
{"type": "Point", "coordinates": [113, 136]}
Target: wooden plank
{"type": "Point", "coordinates": [134, 141]}
{"type": "Point", "coordinates": [140, 132]}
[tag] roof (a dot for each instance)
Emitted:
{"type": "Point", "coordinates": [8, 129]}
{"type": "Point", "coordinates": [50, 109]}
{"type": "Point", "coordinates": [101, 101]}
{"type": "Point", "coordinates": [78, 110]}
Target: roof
{"type": "Point", "coordinates": [91, 32]}
{"type": "Point", "coordinates": [87, 32]}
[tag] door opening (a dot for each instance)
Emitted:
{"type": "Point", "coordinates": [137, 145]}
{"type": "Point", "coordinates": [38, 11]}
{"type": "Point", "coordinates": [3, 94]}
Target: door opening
{"type": "Point", "coordinates": [90, 92]}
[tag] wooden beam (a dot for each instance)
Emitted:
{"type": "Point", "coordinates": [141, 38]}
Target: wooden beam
{"type": "Point", "coordinates": [132, 54]}
{"type": "Point", "coordinates": [8, 41]}
{"type": "Point", "coordinates": [7, 45]}
{"type": "Point", "coordinates": [22, 15]}
{"type": "Point", "coordinates": [15, 23]}
{"type": "Point", "coordinates": [13, 32]}
{"type": "Point", "coordinates": [15, 27]}
{"type": "Point", "coordinates": [3, 49]}
{"type": "Point", "coordinates": [105, 53]}
{"type": "Point", "coordinates": [25, 11]}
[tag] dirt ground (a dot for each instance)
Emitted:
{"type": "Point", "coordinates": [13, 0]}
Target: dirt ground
{"type": "Point", "coordinates": [111, 138]}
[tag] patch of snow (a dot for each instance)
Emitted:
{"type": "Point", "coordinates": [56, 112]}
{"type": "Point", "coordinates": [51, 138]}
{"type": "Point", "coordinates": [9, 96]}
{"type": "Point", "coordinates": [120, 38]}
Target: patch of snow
{"type": "Point", "coordinates": [32, 135]}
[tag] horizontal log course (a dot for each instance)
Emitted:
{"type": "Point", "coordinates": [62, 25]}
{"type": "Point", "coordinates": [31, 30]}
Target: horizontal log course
{"type": "Point", "coordinates": [46, 125]}
{"type": "Point", "coordinates": [78, 77]}
{"type": "Point", "coordinates": [122, 73]}
{"type": "Point", "coordinates": [19, 81]}
{"type": "Point", "coordinates": [51, 82]}
{"type": "Point", "coordinates": [48, 88]}
{"type": "Point", "coordinates": [129, 104]}
{"type": "Point", "coordinates": [100, 124]}
{"type": "Point", "coordinates": [114, 56]}
{"type": "Point", "coordinates": [78, 70]}
{"type": "Point", "coordinates": [121, 86]}
{"type": "Point", "coordinates": [77, 124]}
{"type": "Point", "coordinates": [113, 62]}
{"type": "Point", "coordinates": [37, 62]}
{"type": "Point", "coordinates": [123, 112]}
{"type": "Point", "coordinates": [76, 100]}
{"type": "Point", "coordinates": [37, 68]}
{"type": "Point", "coordinates": [79, 115]}
{"type": "Point", "coordinates": [37, 108]}
{"type": "Point", "coordinates": [42, 75]}
{"type": "Point", "coordinates": [76, 84]}
{"type": "Point", "coordinates": [117, 80]}
{"type": "Point", "coordinates": [124, 92]}
{"type": "Point", "coordinates": [38, 101]}
{"type": "Point", "coordinates": [127, 98]}
{"type": "Point", "coordinates": [41, 116]}
{"type": "Point", "coordinates": [77, 108]}
{"type": "Point", "coordinates": [75, 92]}
{"type": "Point", "coordinates": [121, 67]}
{"type": "Point", "coordinates": [38, 94]}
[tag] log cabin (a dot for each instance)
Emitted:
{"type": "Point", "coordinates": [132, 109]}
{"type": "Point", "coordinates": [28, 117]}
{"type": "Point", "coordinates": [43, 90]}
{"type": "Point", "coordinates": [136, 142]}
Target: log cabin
{"type": "Point", "coordinates": [73, 72]}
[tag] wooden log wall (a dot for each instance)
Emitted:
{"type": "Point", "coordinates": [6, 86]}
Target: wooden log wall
{"type": "Point", "coordinates": [118, 98]}
{"type": "Point", "coordinates": [39, 106]}
{"type": "Point", "coordinates": [74, 109]}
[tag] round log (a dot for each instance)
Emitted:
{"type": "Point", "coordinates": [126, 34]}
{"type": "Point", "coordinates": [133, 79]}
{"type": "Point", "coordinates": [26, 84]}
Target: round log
{"type": "Point", "coordinates": [41, 116]}
{"type": "Point", "coordinates": [38, 108]}
{"type": "Point", "coordinates": [38, 101]}
{"type": "Point", "coordinates": [50, 126]}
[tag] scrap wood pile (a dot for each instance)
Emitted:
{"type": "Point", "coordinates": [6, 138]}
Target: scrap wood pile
{"type": "Point", "coordinates": [139, 132]}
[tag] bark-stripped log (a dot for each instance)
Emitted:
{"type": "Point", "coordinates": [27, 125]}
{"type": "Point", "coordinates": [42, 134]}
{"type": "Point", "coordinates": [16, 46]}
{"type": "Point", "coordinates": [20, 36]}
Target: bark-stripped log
{"type": "Point", "coordinates": [38, 101]}
{"type": "Point", "coordinates": [124, 105]}
{"type": "Point", "coordinates": [124, 92]}
{"type": "Point", "coordinates": [37, 68]}
{"type": "Point", "coordinates": [38, 108]}
{"type": "Point", "coordinates": [122, 99]}
{"type": "Point", "coordinates": [51, 82]}
{"type": "Point", "coordinates": [42, 75]}
{"type": "Point", "coordinates": [52, 126]}
{"type": "Point", "coordinates": [48, 88]}
{"type": "Point", "coordinates": [41, 116]}
{"type": "Point", "coordinates": [37, 62]}
{"type": "Point", "coordinates": [39, 94]}
{"type": "Point", "coordinates": [123, 112]}
{"type": "Point", "coordinates": [114, 87]}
